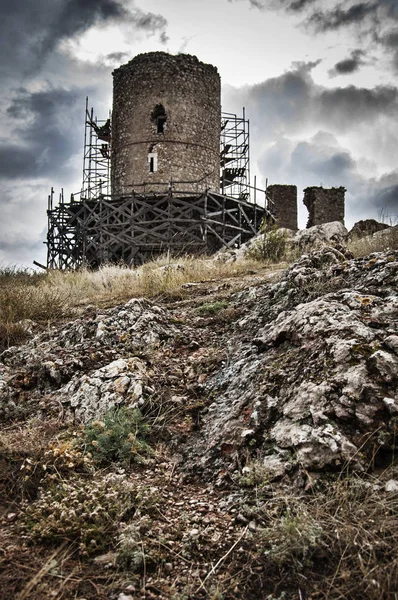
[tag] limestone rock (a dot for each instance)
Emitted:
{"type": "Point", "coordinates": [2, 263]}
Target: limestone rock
{"type": "Point", "coordinates": [312, 371]}
{"type": "Point", "coordinates": [91, 354]}
{"type": "Point", "coordinates": [116, 384]}
{"type": "Point", "coordinates": [319, 235]}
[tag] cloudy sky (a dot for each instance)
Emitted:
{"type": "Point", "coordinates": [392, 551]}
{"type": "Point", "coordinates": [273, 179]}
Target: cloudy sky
{"type": "Point", "coordinates": [318, 79]}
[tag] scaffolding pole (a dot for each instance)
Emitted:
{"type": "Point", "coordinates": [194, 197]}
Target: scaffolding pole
{"type": "Point", "coordinates": [96, 155]}
{"type": "Point", "coordinates": [235, 157]}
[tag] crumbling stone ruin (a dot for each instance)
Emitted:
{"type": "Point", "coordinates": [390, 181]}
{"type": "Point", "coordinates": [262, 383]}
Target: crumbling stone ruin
{"type": "Point", "coordinates": [324, 205]}
{"type": "Point", "coordinates": [284, 204]}
{"type": "Point", "coordinates": [165, 123]}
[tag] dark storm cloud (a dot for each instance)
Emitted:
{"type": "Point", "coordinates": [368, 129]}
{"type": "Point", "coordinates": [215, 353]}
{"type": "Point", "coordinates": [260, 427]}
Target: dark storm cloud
{"type": "Point", "coordinates": [331, 167]}
{"type": "Point", "coordinates": [320, 160]}
{"type": "Point", "coordinates": [346, 107]}
{"type": "Point", "coordinates": [389, 41]}
{"type": "Point", "coordinates": [374, 21]}
{"type": "Point", "coordinates": [299, 5]}
{"type": "Point", "coordinates": [285, 111]}
{"type": "Point", "coordinates": [290, 5]}
{"type": "Point", "coordinates": [44, 124]}
{"type": "Point", "coordinates": [280, 102]}
{"type": "Point", "coordinates": [293, 101]}
{"type": "Point", "coordinates": [29, 31]}
{"type": "Point", "coordinates": [117, 57]}
{"type": "Point", "coordinates": [349, 65]}
{"type": "Point", "coordinates": [387, 200]}
{"type": "Point", "coordinates": [340, 16]}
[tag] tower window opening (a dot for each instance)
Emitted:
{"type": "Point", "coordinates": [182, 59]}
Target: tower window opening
{"type": "Point", "coordinates": [159, 118]}
{"type": "Point", "coordinates": [160, 123]}
{"type": "Point", "coordinates": [153, 162]}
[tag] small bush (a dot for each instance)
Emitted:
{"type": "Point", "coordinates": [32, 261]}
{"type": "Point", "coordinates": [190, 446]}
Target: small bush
{"type": "Point", "coordinates": [87, 512]}
{"type": "Point", "coordinates": [120, 437]}
{"type": "Point", "coordinates": [211, 308]}
{"type": "Point", "coordinates": [293, 540]}
{"type": "Point", "coordinates": [272, 245]}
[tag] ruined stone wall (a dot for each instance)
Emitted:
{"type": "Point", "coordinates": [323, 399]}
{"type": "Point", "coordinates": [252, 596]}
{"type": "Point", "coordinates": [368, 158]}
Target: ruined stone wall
{"type": "Point", "coordinates": [187, 93]}
{"type": "Point", "coordinates": [284, 198]}
{"type": "Point", "coordinates": [324, 205]}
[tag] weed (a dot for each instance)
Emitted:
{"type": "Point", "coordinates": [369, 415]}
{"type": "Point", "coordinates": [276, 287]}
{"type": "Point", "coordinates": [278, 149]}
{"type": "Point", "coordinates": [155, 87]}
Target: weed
{"type": "Point", "coordinates": [254, 474]}
{"type": "Point", "coordinates": [293, 540]}
{"type": "Point", "coordinates": [120, 437]}
{"type": "Point", "coordinates": [79, 510]}
{"type": "Point", "coordinates": [130, 553]}
{"type": "Point", "coordinates": [211, 308]}
{"type": "Point", "coordinates": [271, 246]}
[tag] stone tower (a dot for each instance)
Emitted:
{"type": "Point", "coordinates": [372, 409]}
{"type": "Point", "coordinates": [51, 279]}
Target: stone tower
{"type": "Point", "coordinates": [324, 204]}
{"type": "Point", "coordinates": [165, 124]}
{"type": "Point", "coordinates": [284, 198]}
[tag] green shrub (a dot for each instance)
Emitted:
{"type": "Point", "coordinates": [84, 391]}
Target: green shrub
{"type": "Point", "coordinates": [120, 437]}
{"type": "Point", "coordinates": [272, 246]}
{"type": "Point", "coordinates": [211, 308]}
{"type": "Point", "coordinates": [293, 540]}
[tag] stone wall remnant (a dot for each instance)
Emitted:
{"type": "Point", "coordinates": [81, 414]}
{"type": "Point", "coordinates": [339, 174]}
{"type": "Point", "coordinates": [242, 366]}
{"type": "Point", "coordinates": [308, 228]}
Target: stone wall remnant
{"type": "Point", "coordinates": [324, 205]}
{"type": "Point", "coordinates": [284, 200]}
{"type": "Point", "coordinates": [165, 124]}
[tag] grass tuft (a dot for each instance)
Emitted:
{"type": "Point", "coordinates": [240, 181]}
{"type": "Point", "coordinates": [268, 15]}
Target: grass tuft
{"type": "Point", "coordinates": [379, 242]}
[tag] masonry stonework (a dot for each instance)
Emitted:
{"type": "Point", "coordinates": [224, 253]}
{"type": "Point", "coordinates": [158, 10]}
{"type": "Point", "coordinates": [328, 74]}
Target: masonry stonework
{"type": "Point", "coordinates": [165, 124]}
{"type": "Point", "coordinates": [284, 200]}
{"type": "Point", "coordinates": [324, 205]}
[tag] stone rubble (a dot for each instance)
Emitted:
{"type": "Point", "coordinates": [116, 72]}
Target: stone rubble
{"type": "Point", "coordinates": [91, 362]}
{"type": "Point", "coordinates": [310, 239]}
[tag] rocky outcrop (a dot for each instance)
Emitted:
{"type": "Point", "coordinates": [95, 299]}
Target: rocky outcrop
{"type": "Point", "coordinates": [92, 362]}
{"type": "Point", "coordinates": [308, 385]}
{"type": "Point", "coordinates": [320, 235]}
{"type": "Point", "coordinates": [366, 227]}
{"type": "Point", "coordinates": [311, 383]}
{"type": "Point", "coordinates": [280, 243]}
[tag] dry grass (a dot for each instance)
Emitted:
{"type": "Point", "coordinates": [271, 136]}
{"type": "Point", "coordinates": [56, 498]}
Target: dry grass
{"type": "Point", "coordinates": [111, 284]}
{"type": "Point", "coordinates": [383, 240]}
{"type": "Point", "coordinates": [339, 543]}
{"type": "Point", "coordinates": [29, 301]}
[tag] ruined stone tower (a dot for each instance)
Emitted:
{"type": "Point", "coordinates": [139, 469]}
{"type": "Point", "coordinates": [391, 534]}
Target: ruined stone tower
{"type": "Point", "coordinates": [284, 199]}
{"type": "Point", "coordinates": [324, 205]}
{"type": "Point", "coordinates": [165, 124]}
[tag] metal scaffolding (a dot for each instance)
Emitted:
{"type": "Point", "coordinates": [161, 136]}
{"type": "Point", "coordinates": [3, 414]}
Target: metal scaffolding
{"type": "Point", "coordinates": [234, 156]}
{"type": "Point", "coordinates": [96, 156]}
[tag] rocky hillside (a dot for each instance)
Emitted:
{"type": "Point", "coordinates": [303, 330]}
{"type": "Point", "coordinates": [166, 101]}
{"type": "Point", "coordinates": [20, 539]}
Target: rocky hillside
{"type": "Point", "coordinates": [234, 440]}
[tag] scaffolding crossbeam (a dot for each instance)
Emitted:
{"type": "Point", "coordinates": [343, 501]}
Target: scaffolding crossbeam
{"type": "Point", "coordinates": [138, 227]}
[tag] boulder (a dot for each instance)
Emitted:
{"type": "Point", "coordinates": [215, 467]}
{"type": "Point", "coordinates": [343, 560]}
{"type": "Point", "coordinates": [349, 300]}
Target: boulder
{"type": "Point", "coordinates": [320, 235]}
{"type": "Point", "coordinates": [85, 359]}
{"type": "Point", "coordinates": [365, 227]}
